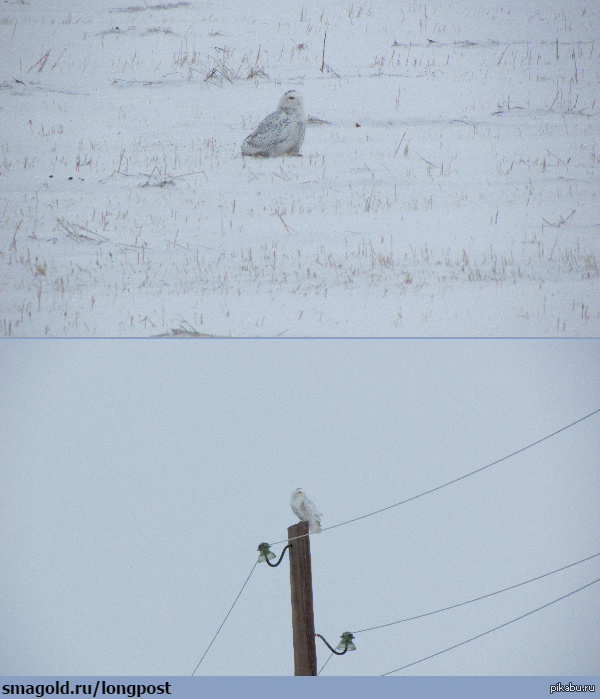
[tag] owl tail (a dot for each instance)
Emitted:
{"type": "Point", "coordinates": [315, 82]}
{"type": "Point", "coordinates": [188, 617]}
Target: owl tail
{"type": "Point", "coordinates": [315, 526]}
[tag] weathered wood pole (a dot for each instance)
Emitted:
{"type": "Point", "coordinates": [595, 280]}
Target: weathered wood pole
{"type": "Point", "coordinates": [303, 620]}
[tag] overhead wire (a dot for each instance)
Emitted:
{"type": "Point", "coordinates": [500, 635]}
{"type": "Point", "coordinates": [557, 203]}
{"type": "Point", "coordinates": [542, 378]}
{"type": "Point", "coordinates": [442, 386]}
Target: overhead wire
{"type": "Point", "coordinates": [454, 606]}
{"type": "Point", "coordinates": [485, 633]}
{"type": "Point", "coordinates": [325, 663]}
{"type": "Point", "coordinates": [454, 480]}
{"type": "Point", "coordinates": [476, 599]}
{"type": "Point", "coordinates": [225, 619]}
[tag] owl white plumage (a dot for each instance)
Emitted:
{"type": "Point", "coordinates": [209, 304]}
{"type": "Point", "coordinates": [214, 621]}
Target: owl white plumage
{"type": "Point", "coordinates": [282, 132]}
{"type": "Point", "coordinates": [306, 511]}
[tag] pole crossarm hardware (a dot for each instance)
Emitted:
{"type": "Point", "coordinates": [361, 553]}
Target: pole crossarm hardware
{"type": "Point", "coordinates": [346, 642]}
{"type": "Point", "coordinates": [266, 553]}
{"type": "Point", "coordinates": [274, 565]}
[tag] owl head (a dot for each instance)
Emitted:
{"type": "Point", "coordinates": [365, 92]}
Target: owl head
{"type": "Point", "coordinates": [291, 102]}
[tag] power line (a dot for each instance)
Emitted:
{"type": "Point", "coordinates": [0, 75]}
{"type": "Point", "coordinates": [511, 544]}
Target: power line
{"type": "Point", "coordinates": [225, 619]}
{"type": "Point", "coordinates": [455, 480]}
{"type": "Point", "coordinates": [476, 599]}
{"type": "Point", "coordinates": [325, 663]}
{"type": "Point", "coordinates": [460, 478]}
{"type": "Point", "coordinates": [416, 662]}
{"type": "Point", "coordinates": [454, 606]}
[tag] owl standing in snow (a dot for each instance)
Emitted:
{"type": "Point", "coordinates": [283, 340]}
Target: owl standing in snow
{"type": "Point", "coordinates": [282, 132]}
{"type": "Point", "coordinates": [306, 511]}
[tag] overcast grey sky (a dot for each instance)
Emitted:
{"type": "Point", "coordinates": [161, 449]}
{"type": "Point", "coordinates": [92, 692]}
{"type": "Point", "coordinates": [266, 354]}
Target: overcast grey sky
{"type": "Point", "coordinates": [138, 478]}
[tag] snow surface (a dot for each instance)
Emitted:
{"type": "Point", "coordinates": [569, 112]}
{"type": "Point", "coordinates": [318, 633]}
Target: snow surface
{"type": "Point", "coordinates": [453, 191]}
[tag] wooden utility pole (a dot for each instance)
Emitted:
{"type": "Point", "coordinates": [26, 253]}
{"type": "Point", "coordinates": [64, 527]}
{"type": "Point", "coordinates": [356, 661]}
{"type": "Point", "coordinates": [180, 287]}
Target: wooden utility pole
{"type": "Point", "coordinates": [303, 620]}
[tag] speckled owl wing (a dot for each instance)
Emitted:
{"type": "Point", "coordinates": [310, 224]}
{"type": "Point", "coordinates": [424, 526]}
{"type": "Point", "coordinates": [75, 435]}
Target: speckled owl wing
{"type": "Point", "coordinates": [275, 128]}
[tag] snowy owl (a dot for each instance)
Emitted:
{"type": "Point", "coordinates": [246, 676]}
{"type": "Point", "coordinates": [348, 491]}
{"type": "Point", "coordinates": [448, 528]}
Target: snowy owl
{"type": "Point", "coordinates": [305, 510]}
{"type": "Point", "coordinates": [282, 132]}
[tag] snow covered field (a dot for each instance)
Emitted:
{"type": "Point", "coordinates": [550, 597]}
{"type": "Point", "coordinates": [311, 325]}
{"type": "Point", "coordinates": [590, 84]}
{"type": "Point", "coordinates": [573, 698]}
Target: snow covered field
{"type": "Point", "coordinates": [453, 191]}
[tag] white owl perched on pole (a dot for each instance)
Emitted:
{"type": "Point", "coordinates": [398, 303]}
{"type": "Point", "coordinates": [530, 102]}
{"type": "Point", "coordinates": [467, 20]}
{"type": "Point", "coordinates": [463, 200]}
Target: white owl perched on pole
{"type": "Point", "coordinates": [280, 133]}
{"type": "Point", "coordinates": [306, 511]}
